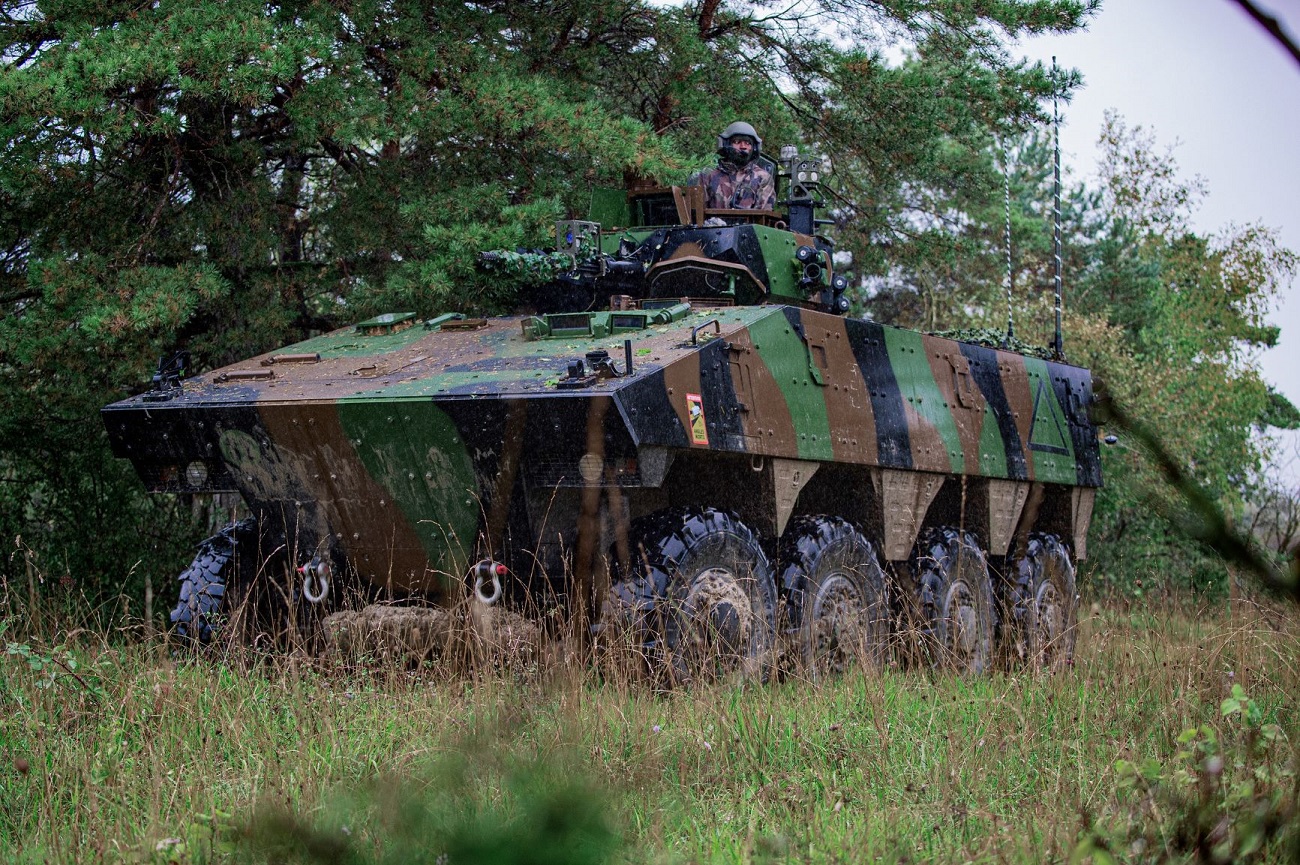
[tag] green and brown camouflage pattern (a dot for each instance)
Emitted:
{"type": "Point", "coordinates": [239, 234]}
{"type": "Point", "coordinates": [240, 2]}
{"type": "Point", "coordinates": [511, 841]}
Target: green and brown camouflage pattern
{"type": "Point", "coordinates": [407, 450]}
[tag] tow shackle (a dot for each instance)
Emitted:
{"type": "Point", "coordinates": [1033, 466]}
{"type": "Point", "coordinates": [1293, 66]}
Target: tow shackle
{"type": "Point", "coordinates": [488, 573]}
{"type": "Point", "coordinates": [319, 570]}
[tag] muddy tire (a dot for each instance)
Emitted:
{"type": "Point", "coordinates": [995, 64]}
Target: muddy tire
{"type": "Point", "coordinates": [205, 584]}
{"type": "Point", "coordinates": [699, 596]}
{"type": "Point", "coordinates": [837, 601]}
{"type": "Point", "coordinates": [238, 590]}
{"type": "Point", "coordinates": [955, 601]}
{"type": "Point", "coordinates": [1044, 604]}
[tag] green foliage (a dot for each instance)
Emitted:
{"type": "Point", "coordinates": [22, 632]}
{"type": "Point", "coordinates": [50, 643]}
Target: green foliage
{"type": "Point", "coordinates": [451, 274]}
{"type": "Point", "coordinates": [539, 812]}
{"type": "Point", "coordinates": [228, 177]}
{"type": "Point", "coordinates": [1279, 412]}
{"type": "Point", "coordinates": [1224, 796]}
{"type": "Point", "coordinates": [56, 667]}
{"type": "Point", "coordinates": [1186, 311]}
{"type": "Point", "coordinates": [528, 267]}
{"type": "Point", "coordinates": [958, 276]}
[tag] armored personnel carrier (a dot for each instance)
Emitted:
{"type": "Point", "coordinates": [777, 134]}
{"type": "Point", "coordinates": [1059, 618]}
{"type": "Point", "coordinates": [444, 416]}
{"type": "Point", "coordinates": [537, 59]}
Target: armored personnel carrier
{"type": "Point", "coordinates": [696, 448]}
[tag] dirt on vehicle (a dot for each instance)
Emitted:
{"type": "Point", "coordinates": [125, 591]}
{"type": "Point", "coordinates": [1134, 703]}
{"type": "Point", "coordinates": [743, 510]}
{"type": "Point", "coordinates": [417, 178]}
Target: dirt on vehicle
{"type": "Point", "coordinates": [694, 444]}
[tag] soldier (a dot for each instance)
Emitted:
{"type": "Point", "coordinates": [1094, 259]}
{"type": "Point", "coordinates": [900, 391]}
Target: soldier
{"type": "Point", "coordinates": [740, 181]}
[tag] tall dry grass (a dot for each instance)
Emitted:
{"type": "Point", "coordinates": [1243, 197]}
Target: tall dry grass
{"type": "Point", "coordinates": [122, 750]}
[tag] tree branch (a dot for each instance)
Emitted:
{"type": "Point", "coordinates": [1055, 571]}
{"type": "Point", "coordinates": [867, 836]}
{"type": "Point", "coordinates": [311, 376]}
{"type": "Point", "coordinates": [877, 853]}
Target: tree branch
{"type": "Point", "coordinates": [708, 9]}
{"type": "Point", "coordinates": [1273, 26]}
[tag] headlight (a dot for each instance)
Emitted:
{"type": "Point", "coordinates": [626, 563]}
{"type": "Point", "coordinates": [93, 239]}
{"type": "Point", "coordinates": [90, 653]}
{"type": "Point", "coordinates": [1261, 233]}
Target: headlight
{"type": "Point", "coordinates": [196, 474]}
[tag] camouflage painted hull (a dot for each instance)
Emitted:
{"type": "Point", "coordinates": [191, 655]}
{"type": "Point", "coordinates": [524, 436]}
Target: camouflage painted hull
{"type": "Point", "coordinates": [406, 455]}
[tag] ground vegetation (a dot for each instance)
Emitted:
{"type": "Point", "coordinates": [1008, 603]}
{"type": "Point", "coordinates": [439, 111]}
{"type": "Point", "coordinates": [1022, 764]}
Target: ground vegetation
{"type": "Point", "coordinates": [1172, 738]}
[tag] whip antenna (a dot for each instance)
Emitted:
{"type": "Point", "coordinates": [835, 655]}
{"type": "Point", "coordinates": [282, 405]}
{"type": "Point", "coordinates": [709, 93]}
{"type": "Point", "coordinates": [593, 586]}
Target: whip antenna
{"type": "Point", "coordinates": [1006, 180]}
{"type": "Point", "coordinates": [1057, 349]}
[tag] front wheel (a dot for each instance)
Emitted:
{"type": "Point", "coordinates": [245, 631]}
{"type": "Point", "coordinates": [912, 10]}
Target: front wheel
{"type": "Point", "coordinates": [238, 592]}
{"type": "Point", "coordinates": [700, 596]}
{"type": "Point", "coordinates": [207, 585]}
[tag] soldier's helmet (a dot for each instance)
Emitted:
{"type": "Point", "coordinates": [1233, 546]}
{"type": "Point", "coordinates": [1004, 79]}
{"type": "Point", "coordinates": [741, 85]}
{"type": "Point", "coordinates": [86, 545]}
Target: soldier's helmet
{"type": "Point", "coordinates": [729, 153]}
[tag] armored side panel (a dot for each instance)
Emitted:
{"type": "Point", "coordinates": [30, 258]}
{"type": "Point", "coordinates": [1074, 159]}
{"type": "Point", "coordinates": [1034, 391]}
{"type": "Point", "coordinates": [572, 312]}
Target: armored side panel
{"type": "Point", "coordinates": [407, 450]}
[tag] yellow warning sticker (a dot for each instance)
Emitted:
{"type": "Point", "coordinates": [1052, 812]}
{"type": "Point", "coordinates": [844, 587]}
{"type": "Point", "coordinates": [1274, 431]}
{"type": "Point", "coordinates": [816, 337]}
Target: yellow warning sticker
{"type": "Point", "coordinates": [695, 411]}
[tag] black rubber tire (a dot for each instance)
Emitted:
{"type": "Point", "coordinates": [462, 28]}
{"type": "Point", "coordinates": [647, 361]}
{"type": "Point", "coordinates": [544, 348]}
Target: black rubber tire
{"type": "Point", "coordinates": [1044, 604]}
{"type": "Point", "coordinates": [958, 616]}
{"type": "Point", "coordinates": [700, 596]}
{"type": "Point", "coordinates": [837, 599]}
{"type": "Point", "coordinates": [205, 583]}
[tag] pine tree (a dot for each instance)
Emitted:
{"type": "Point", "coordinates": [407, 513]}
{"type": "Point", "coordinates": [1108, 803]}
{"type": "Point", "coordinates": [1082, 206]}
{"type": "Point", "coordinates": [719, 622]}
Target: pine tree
{"type": "Point", "coordinates": [226, 177]}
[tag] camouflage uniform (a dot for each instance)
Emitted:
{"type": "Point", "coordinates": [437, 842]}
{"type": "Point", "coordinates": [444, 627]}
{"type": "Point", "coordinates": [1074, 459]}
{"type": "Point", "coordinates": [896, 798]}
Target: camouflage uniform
{"type": "Point", "coordinates": [748, 187]}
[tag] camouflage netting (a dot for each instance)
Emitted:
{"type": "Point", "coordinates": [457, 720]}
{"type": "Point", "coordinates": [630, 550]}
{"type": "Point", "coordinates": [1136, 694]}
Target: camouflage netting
{"type": "Point", "coordinates": [993, 338]}
{"type": "Point", "coordinates": [526, 266]}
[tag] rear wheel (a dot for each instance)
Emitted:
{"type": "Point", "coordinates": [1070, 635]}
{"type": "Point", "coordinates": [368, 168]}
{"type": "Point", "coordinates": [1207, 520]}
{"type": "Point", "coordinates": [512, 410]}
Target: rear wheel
{"type": "Point", "coordinates": [700, 596]}
{"type": "Point", "coordinates": [837, 601]}
{"type": "Point", "coordinates": [1045, 606]}
{"type": "Point", "coordinates": [958, 618]}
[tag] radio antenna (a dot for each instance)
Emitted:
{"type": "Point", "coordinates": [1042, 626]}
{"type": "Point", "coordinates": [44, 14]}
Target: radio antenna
{"type": "Point", "coordinates": [1006, 181]}
{"type": "Point", "coordinates": [1057, 349]}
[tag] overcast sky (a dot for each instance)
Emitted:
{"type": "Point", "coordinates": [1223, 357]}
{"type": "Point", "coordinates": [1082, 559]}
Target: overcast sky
{"type": "Point", "coordinates": [1203, 76]}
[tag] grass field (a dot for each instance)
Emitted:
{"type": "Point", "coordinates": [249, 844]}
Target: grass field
{"type": "Point", "coordinates": [121, 753]}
